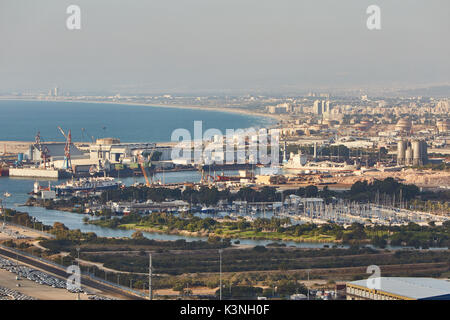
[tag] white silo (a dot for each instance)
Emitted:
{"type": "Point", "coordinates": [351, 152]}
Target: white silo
{"type": "Point", "coordinates": [401, 152]}
{"type": "Point", "coordinates": [417, 152]}
{"type": "Point", "coordinates": [409, 156]}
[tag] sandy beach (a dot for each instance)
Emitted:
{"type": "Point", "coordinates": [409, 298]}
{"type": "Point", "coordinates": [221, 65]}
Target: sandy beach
{"type": "Point", "coordinates": [172, 106]}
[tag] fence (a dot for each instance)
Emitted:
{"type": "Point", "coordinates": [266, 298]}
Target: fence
{"type": "Point", "coordinates": [86, 274]}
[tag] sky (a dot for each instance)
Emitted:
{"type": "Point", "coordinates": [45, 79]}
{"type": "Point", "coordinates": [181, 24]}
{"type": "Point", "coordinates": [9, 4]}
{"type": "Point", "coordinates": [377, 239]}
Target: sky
{"type": "Point", "coordinates": [192, 46]}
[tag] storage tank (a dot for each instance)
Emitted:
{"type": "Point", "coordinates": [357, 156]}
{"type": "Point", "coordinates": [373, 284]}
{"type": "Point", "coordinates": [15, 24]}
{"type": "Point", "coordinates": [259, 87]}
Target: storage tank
{"type": "Point", "coordinates": [20, 157]}
{"type": "Point", "coordinates": [417, 152]}
{"type": "Point", "coordinates": [409, 156]}
{"type": "Point", "coordinates": [30, 153]}
{"type": "Point", "coordinates": [401, 149]}
{"type": "Point", "coordinates": [424, 149]}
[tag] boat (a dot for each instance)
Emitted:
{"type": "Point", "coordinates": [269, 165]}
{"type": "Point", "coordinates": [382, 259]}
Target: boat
{"type": "Point", "coordinates": [88, 185]}
{"type": "Point", "coordinates": [7, 194]}
{"type": "Point", "coordinates": [4, 171]}
{"type": "Point", "coordinates": [209, 210]}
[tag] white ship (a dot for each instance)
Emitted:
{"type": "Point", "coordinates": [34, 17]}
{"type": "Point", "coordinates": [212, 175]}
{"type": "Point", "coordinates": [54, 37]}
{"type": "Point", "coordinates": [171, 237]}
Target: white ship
{"type": "Point", "coordinates": [299, 162]}
{"type": "Point", "coordinates": [88, 185]}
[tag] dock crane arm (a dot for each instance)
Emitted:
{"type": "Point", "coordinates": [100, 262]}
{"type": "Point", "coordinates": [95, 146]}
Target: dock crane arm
{"type": "Point", "coordinates": [68, 136]}
{"type": "Point", "coordinates": [144, 172]}
{"type": "Point", "coordinates": [62, 131]}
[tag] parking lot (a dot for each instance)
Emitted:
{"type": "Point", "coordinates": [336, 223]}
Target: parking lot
{"type": "Point", "coordinates": [37, 284]}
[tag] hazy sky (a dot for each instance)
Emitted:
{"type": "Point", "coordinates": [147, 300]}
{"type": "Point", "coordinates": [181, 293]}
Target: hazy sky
{"type": "Point", "coordinates": [221, 45]}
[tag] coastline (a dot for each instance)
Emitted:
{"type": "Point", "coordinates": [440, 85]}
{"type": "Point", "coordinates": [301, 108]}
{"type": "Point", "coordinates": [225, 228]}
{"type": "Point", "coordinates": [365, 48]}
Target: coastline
{"type": "Point", "coordinates": [172, 106]}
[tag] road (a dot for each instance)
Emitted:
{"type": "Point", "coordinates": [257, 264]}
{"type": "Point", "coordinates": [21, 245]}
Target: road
{"type": "Point", "coordinates": [63, 274]}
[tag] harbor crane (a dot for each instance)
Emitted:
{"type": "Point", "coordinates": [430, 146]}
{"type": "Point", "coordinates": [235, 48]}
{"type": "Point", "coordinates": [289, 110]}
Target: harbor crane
{"type": "Point", "coordinates": [45, 153]}
{"type": "Point", "coordinates": [67, 159]}
{"type": "Point", "coordinates": [148, 182]}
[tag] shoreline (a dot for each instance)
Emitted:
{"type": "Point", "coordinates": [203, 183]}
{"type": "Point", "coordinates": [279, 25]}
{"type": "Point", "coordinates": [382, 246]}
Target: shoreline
{"type": "Point", "coordinates": [172, 106]}
{"type": "Point", "coordinates": [197, 234]}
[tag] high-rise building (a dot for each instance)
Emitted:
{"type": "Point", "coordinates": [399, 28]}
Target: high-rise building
{"type": "Point", "coordinates": [328, 107]}
{"type": "Point", "coordinates": [317, 109]}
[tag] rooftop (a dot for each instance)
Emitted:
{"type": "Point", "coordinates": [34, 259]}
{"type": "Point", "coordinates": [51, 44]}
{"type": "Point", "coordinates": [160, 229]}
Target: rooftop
{"type": "Point", "coordinates": [414, 288]}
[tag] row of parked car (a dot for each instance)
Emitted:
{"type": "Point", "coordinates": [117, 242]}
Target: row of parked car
{"type": "Point", "coordinates": [24, 272]}
{"type": "Point", "coordinates": [34, 275]}
{"type": "Point", "coordinates": [9, 294]}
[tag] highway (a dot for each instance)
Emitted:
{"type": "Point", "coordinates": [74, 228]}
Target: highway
{"type": "Point", "coordinates": [85, 281]}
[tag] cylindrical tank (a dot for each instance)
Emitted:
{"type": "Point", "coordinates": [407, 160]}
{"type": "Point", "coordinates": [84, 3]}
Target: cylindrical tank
{"type": "Point", "coordinates": [424, 149]}
{"type": "Point", "coordinates": [20, 157]}
{"type": "Point", "coordinates": [417, 152]}
{"type": "Point", "coordinates": [30, 153]}
{"type": "Point", "coordinates": [401, 149]}
{"type": "Point", "coordinates": [409, 156]}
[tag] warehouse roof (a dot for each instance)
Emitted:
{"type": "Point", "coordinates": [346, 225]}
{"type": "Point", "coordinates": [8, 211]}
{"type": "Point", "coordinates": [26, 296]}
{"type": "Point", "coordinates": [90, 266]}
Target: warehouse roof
{"type": "Point", "coordinates": [414, 288]}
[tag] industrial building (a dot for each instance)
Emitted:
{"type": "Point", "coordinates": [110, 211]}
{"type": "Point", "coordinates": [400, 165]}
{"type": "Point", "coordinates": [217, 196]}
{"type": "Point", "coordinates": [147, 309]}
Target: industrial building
{"type": "Point", "coordinates": [113, 151]}
{"type": "Point", "coordinates": [412, 153]}
{"type": "Point", "coordinates": [54, 159]}
{"type": "Point", "coordinates": [55, 151]}
{"type": "Point", "coordinates": [401, 288]}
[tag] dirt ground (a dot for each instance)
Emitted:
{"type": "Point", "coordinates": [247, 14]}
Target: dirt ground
{"type": "Point", "coordinates": [422, 178]}
{"type": "Point", "coordinates": [22, 231]}
{"type": "Point", "coordinates": [14, 147]}
{"type": "Point", "coordinates": [195, 291]}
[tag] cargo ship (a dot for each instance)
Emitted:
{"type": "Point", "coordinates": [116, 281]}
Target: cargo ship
{"type": "Point", "coordinates": [88, 185]}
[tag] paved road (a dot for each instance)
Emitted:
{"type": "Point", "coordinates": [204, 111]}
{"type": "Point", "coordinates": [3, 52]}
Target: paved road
{"type": "Point", "coordinates": [63, 274]}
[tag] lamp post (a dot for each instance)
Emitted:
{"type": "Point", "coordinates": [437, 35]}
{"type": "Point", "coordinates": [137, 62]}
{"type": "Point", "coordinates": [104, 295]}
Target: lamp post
{"type": "Point", "coordinates": [3, 212]}
{"type": "Point", "coordinates": [150, 274]}
{"type": "Point", "coordinates": [308, 283]}
{"type": "Point", "coordinates": [220, 273]}
{"type": "Point", "coordinates": [78, 251]}
{"type": "Point", "coordinates": [78, 291]}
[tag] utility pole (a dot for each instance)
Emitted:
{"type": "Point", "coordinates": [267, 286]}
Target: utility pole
{"type": "Point", "coordinates": [150, 293]}
{"type": "Point", "coordinates": [78, 291]}
{"type": "Point", "coordinates": [220, 273]}
{"type": "Point", "coordinates": [308, 283]}
{"type": "Point", "coordinates": [4, 212]}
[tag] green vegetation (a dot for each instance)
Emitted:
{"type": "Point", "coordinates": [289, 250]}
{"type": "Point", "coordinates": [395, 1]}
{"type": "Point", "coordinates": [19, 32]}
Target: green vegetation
{"type": "Point", "coordinates": [24, 219]}
{"type": "Point", "coordinates": [282, 259]}
{"type": "Point", "coordinates": [278, 229]}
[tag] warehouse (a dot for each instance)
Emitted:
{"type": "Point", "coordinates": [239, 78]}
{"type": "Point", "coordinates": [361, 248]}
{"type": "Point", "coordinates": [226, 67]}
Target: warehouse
{"type": "Point", "coordinates": [398, 289]}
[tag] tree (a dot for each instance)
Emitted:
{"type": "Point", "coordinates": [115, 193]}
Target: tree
{"type": "Point", "coordinates": [311, 191]}
{"type": "Point", "coordinates": [138, 235]}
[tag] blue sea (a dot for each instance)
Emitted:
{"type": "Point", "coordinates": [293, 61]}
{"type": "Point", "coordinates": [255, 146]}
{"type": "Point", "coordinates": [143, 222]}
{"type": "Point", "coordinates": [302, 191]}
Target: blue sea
{"type": "Point", "coordinates": [21, 120]}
